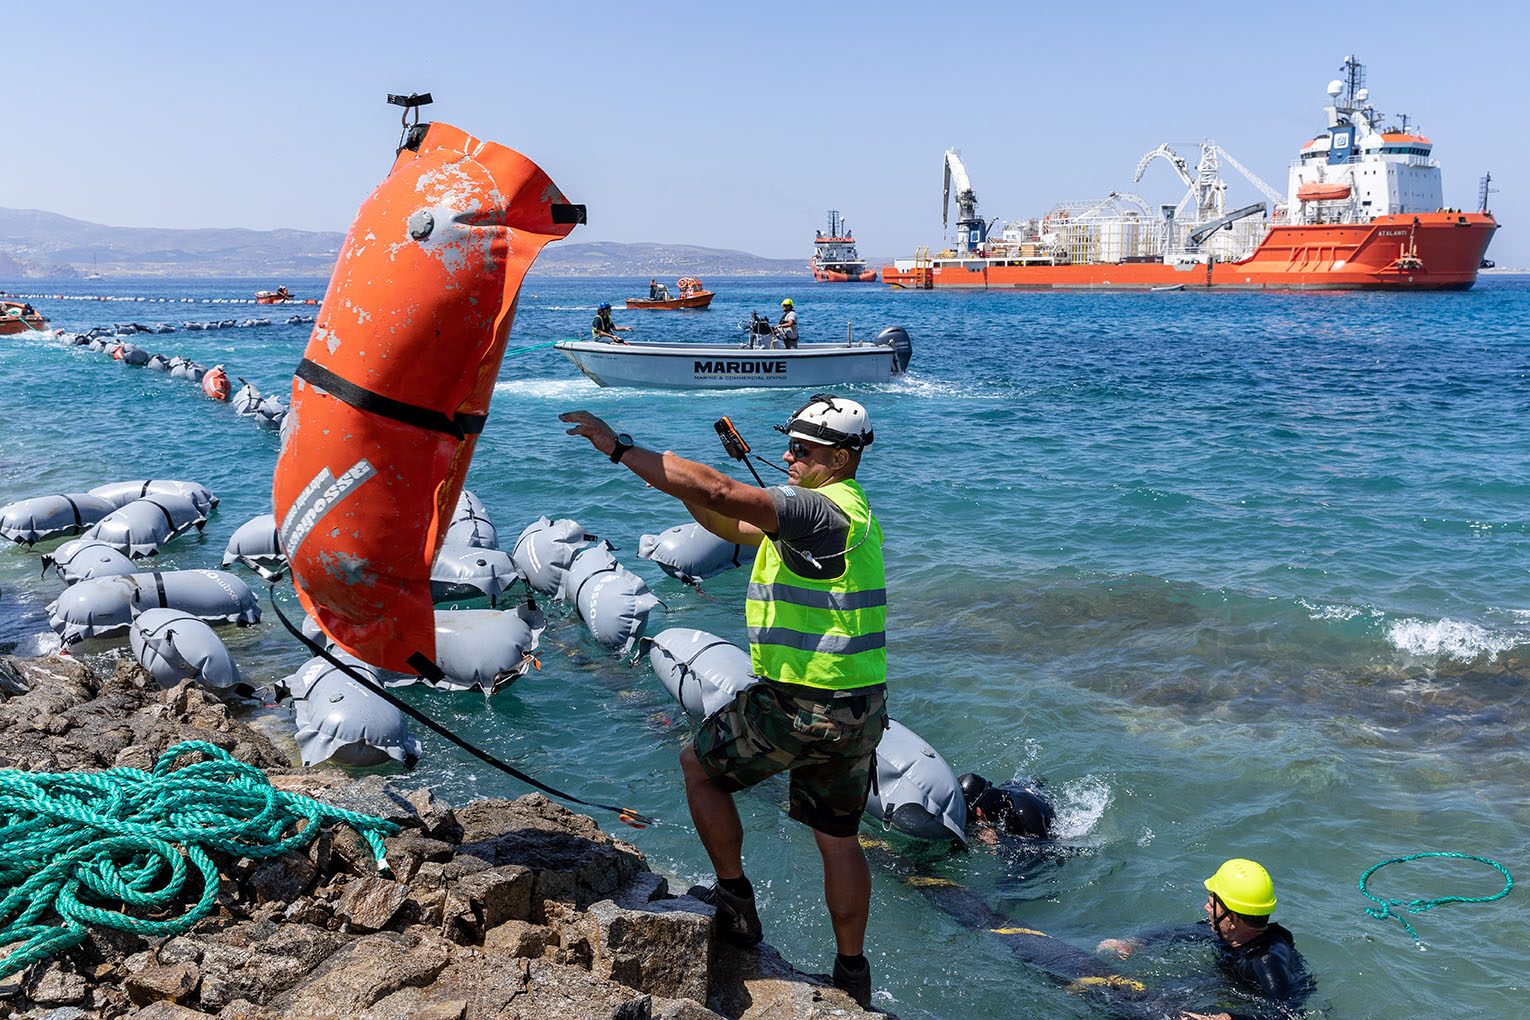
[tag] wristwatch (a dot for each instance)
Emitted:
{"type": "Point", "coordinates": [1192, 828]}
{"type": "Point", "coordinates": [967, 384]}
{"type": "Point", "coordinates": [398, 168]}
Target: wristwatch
{"type": "Point", "coordinates": [623, 444]}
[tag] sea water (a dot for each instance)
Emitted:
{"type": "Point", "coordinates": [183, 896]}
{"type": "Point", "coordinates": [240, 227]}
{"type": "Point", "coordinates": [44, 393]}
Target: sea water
{"type": "Point", "coordinates": [1236, 574]}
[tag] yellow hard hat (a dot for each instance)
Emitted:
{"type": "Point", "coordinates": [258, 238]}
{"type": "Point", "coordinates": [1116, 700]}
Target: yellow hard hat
{"type": "Point", "coordinates": [786, 303]}
{"type": "Point", "coordinates": [1243, 886]}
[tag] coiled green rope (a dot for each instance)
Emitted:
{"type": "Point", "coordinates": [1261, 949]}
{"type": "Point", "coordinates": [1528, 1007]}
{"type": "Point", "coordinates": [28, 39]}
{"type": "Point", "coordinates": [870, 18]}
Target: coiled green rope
{"type": "Point", "coordinates": [111, 848]}
{"type": "Point", "coordinates": [1418, 906]}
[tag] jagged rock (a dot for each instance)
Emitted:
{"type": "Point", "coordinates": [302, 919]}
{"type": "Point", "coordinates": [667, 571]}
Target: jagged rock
{"type": "Point", "coordinates": [368, 904]}
{"type": "Point", "coordinates": [436, 816]}
{"type": "Point", "coordinates": [682, 1009]}
{"type": "Point", "coordinates": [155, 983]}
{"type": "Point", "coordinates": [664, 949]}
{"type": "Point", "coordinates": [57, 983]}
{"type": "Point", "coordinates": [282, 879]}
{"type": "Point", "coordinates": [168, 1011]}
{"type": "Point", "coordinates": [244, 1009]}
{"type": "Point", "coordinates": [518, 938]}
{"type": "Point", "coordinates": [573, 860]}
{"type": "Point", "coordinates": [370, 795]}
{"type": "Point", "coordinates": [409, 849]}
{"type": "Point", "coordinates": [364, 972]}
{"type": "Point", "coordinates": [486, 899]}
{"type": "Point", "coordinates": [755, 984]}
{"type": "Point", "coordinates": [252, 960]}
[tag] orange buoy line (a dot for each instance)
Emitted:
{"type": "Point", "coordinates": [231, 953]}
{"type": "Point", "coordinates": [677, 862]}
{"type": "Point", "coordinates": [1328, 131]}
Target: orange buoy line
{"type": "Point", "coordinates": [138, 299]}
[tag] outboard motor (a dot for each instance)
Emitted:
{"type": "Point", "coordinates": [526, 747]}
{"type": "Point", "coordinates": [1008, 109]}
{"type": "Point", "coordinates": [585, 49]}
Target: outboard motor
{"type": "Point", "coordinates": [896, 337]}
{"type": "Point", "coordinates": [760, 330]}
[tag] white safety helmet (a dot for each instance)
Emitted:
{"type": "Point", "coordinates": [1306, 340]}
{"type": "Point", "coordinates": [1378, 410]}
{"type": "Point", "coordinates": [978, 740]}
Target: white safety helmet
{"type": "Point", "coordinates": [831, 421]}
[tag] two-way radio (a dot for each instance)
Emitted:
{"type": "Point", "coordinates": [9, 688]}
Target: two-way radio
{"type": "Point", "coordinates": [736, 445]}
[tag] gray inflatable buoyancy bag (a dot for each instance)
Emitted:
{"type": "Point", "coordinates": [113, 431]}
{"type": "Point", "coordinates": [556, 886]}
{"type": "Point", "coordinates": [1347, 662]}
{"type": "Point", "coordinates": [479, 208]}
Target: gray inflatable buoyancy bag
{"type": "Point", "coordinates": [105, 606]}
{"type": "Point", "coordinates": [269, 413]}
{"type": "Point", "coordinates": [158, 363]}
{"type": "Point", "coordinates": [915, 791]}
{"type": "Point", "coordinates": [94, 608]}
{"type": "Point", "coordinates": [471, 525]}
{"type": "Point", "coordinates": [215, 596]}
{"type": "Point", "coordinates": [611, 600]}
{"type": "Point", "coordinates": [187, 370]}
{"type": "Point", "coordinates": [544, 551]}
{"type": "Point", "coordinates": [173, 646]}
{"type": "Point", "coordinates": [701, 671]}
{"type": "Point", "coordinates": [485, 649]}
{"type": "Point", "coordinates": [120, 494]}
{"type": "Point", "coordinates": [467, 572]}
{"type": "Point", "coordinates": [82, 559]}
{"type": "Point", "coordinates": [42, 518]}
{"type": "Point", "coordinates": [142, 527]}
{"type": "Point", "coordinates": [134, 355]}
{"type": "Point", "coordinates": [245, 399]}
{"type": "Point", "coordinates": [255, 545]}
{"type": "Point", "coordinates": [345, 720]}
{"type": "Point", "coordinates": [691, 553]}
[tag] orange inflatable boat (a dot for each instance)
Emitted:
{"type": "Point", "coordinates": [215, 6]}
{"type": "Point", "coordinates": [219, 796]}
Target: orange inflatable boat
{"type": "Point", "coordinates": [394, 385]}
{"type": "Point", "coordinates": [215, 383]}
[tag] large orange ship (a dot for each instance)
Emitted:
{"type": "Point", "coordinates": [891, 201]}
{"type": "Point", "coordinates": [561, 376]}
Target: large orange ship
{"type": "Point", "coordinates": [1362, 211]}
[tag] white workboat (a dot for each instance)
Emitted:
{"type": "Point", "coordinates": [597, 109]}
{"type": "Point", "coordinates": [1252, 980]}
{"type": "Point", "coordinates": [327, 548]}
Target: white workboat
{"type": "Point", "coordinates": [725, 366]}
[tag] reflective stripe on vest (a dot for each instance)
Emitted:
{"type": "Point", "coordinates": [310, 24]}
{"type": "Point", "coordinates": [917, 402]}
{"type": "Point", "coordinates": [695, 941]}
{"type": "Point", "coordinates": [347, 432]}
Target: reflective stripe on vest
{"type": "Point", "coordinates": [823, 633]}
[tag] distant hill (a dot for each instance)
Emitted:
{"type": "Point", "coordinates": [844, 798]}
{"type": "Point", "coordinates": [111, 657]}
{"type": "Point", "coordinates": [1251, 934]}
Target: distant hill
{"type": "Point", "coordinates": [35, 244]}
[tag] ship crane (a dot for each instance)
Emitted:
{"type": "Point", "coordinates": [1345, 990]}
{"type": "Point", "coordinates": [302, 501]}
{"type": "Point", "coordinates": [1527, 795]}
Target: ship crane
{"type": "Point", "coordinates": [970, 228]}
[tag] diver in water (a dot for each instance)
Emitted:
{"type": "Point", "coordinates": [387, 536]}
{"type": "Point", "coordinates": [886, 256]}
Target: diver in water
{"type": "Point", "coordinates": [1012, 809]}
{"type": "Point", "coordinates": [1257, 956]}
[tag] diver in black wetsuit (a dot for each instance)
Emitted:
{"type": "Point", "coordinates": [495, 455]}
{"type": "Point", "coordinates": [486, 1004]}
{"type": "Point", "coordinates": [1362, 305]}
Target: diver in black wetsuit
{"type": "Point", "coordinates": [1257, 956]}
{"type": "Point", "coordinates": [1012, 809]}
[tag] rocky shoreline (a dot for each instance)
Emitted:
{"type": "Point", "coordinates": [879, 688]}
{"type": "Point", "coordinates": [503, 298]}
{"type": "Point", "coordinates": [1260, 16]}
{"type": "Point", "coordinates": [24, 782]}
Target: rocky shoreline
{"type": "Point", "coordinates": [495, 909]}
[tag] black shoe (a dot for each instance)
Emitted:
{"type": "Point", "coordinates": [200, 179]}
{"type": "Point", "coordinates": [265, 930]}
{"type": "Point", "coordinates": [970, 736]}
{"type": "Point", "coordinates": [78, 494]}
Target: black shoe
{"type": "Point", "coordinates": [855, 983]}
{"type": "Point", "coordinates": [737, 920]}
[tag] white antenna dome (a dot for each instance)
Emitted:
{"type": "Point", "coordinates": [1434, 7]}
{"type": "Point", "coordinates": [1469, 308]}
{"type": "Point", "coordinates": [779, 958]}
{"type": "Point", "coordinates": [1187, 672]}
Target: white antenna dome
{"type": "Point", "coordinates": [1363, 95]}
{"type": "Point", "coordinates": [1335, 87]}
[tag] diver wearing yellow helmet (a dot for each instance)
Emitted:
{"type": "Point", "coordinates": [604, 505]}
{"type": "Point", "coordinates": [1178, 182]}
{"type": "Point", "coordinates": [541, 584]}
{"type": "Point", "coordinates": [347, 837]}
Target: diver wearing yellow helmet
{"type": "Point", "coordinates": [1257, 956]}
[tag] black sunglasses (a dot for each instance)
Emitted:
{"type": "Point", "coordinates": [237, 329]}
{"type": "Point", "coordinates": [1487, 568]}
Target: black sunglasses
{"type": "Point", "coordinates": [798, 449]}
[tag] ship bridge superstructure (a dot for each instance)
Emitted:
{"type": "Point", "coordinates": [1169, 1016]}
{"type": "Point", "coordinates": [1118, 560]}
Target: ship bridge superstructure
{"type": "Point", "coordinates": [1357, 169]}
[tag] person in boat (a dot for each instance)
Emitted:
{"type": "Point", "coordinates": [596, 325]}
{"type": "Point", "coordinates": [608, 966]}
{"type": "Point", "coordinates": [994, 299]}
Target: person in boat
{"type": "Point", "coordinates": [816, 612]}
{"type": "Point", "coordinates": [653, 290]}
{"type": "Point", "coordinates": [604, 327]}
{"type": "Point", "coordinates": [1257, 956]}
{"type": "Point", "coordinates": [1012, 809]}
{"type": "Point", "coordinates": [786, 329]}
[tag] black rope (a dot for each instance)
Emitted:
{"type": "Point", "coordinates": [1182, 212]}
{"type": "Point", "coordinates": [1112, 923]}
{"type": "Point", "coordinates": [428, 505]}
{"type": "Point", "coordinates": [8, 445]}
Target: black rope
{"type": "Point", "coordinates": [626, 815]}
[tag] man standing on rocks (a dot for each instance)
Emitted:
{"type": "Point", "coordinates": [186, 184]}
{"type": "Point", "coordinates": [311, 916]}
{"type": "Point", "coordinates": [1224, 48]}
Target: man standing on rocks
{"type": "Point", "coordinates": [816, 612]}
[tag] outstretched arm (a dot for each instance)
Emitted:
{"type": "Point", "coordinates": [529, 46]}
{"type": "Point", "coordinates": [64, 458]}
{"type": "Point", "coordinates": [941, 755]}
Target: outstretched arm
{"type": "Point", "coordinates": [724, 506]}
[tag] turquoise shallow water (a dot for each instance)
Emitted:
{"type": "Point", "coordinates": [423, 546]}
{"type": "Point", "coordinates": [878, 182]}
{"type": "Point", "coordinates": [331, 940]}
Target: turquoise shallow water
{"type": "Point", "coordinates": [1240, 575]}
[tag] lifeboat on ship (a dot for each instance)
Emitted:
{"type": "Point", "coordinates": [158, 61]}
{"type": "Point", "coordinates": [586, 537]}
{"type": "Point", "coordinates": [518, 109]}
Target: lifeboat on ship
{"type": "Point", "coordinates": [692, 295]}
{"type": "Point", "coordinates": [1317, 191]}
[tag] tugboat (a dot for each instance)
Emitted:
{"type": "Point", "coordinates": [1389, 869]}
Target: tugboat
{"type": "Point", "coordinates": [835, 259]}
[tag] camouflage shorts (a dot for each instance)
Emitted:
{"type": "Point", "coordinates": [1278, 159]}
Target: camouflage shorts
{"type": "Point", "coordinates": [827, 743]}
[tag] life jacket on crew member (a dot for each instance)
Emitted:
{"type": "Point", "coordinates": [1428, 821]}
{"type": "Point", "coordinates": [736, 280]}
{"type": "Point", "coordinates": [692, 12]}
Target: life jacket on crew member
{"type": "Point", "coordinates": [395, 383]}
{"type": "Point", "coordinates": [823, 632]}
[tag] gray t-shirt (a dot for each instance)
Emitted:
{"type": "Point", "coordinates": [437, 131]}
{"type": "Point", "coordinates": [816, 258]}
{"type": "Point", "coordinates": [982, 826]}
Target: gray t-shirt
{"type": "Point", "coordinates": [789, 325]}
{"type": "Point", "coordinates": [809, 522]}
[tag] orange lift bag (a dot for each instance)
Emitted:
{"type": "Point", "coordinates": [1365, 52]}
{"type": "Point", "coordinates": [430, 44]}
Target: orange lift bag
{"type": "Point", "coordinates": [394, 385]}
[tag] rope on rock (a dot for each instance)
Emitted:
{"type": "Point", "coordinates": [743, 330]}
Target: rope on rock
{"type": "Point", "coordinates": [111, 848]}
{"type": "Point", "coordinates": [1418, 906]}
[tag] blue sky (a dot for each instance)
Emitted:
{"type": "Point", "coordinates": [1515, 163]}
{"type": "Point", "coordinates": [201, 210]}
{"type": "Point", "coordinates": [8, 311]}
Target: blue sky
{"type": "Point", "coordinates": [731, 125]}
